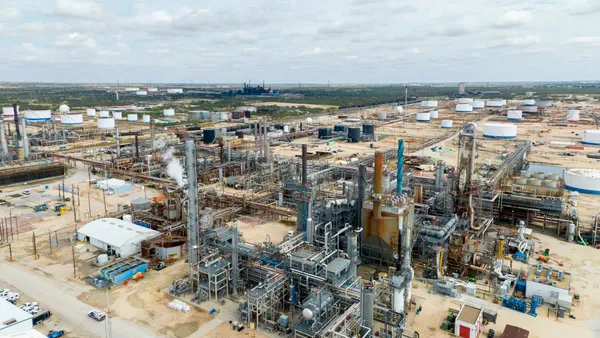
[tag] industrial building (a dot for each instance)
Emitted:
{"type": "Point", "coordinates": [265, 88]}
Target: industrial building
{"type": "Point", "coordinates": [115, 236]}
{"type": "Point", "coordinates": [13, 320]}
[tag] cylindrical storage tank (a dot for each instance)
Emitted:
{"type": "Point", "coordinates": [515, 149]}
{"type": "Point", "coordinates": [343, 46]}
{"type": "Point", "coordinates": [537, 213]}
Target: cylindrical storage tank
{"type": "Point", "coordinates": [240, 134]}
{"type": "Point", "coordinates": [553, 177]}
{"type": "Point", "coordinates": [71, 119]}
{"type": "Point", "coordinates": [573, 115]}
{"type": "Point", "coordinates": [494, 104]}
{"type": "Point", "coordinates": [446, 123]}
{"type": "Point", "coordinates": [424, 117]}
{"type": "Point", "coordinates": [10, 111]}
{"type": "Point", "coordinates": [117, 115]}
{"type": "Point", "coordinates": [104, 114]}
{"type": "Point", "coordinates": [585, 181]}
{"type": "Point", "coordinates": [465, 100]}
{"type": "Point", "coordinates": [146, 119]}
{"type": "Point", "coordinates": [354, 134]}
{"type": "Point", "coordinates": [368, 129]}
{"type": "Point", "coordinates": [33, 116]}
{"type": "Point", "coordinates": [141, 204]}
{"type": "Point", "coordinates": [399, 109]}
{"type": "Point", "coordinates": [591, 137]}
{"type": "Point", "coordinates": [434, 114]}
{"type": "Point", "coordinates": [478, 104]}
{"type": "Point", "coordinates": [382, 115]}
{"type": "Point", "coordinates": [429, 104]}
{"type": "Point", "coordinates": [503, 102]}
{"type": "Point", "coordinates": [324, 133]}
{"type": "Point", "coordinates": [525, 173]}
{"type": "Point", "coordinates": [209, 136]}
{"type": "Point", "coordinates": [91, 112]}
{"type": "Point", "coordinates": [528, 109]}
{"type": "Point", "coordinates": [286, 128]}
{"type": "Point", "coordinates": [499, 130]}
{"type": "Point", "coordinates": [464, 108]}
{"type": "Point", "coordinates": [102, 259]}
{"type": "Point", "coordinates": [544, 103]}
{"type": "Point", "coordinates": [539, 175]}
{"type": "Point", "coordinates": [169, 112]}
{"type": "Point", "coordinates": [339, 128]}
{"type": "Point", "coordinates": [132, 117]}
{"type": "Point", "coordinates": [106, 123]}
{"type": "Point", "coordinates": [529, 102]}
{"type": "Point", "coordinates": [550, 184]}
{"type": "Point", "coordinates": [514, 115]}
{"type": "Point", "coordinates": [63, 109]}
{"type": "Point", "coordinates": [521, 180]}
{"type": "Point", "coordinates": [535, 182]}
{"type": "Point", "coordinates": [128, 218]}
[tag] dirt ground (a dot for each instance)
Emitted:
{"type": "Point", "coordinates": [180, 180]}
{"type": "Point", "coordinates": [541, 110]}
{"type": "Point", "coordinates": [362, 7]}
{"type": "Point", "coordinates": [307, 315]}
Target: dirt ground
{"type": "Point", "coordinates": [255, 230]}
{"type": "Point", "coordinates": [290, 104]}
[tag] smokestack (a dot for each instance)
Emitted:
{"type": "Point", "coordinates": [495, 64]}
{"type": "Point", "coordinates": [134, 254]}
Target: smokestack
{"type": "Point", "coordinates": [192, 214]}
{"type": "Point", "coordinates": [25, 141]}
{"type": "Point", "coordinates": [137, 146]}
{"type": "Point", "coordinates": [378, 177]}
{"type": "Point", "coordinates": [3, 142]}
{"type": "Point", "coordinates": [304, 164]}
{"type": "Point", "coordinates": [400, 167]}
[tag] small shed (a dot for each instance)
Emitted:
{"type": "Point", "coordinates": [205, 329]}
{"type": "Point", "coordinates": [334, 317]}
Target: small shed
{"type": "Point", "coordinates": [469, 321]}
{"type": "Point", "coordinates": [114, 186]}
{"type": "Point", "coordinates": [115, 236]}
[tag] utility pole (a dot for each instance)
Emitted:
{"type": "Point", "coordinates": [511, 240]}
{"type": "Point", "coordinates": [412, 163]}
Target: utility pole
{"type": "Point", "coordinates": [104, 197]}
{"type": "Point", "coordinates": [10, 251]}
{"type": "Point", "coordinates": [405, 103]}
{"type": "Point", "coordinates": [50, 242]}
{"type": "Point", "coordinates": [56, 237]}
{"type": "Point", "coordinates": [35, 255]}
{"type": "Point", "coordinates": [73, 253]}
{"type": "Point", "coordinates": [73, 202]}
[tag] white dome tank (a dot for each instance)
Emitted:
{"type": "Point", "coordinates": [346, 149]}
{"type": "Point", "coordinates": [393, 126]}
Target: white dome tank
{"type": "Point", "coordinates": [72, 119]}
{"type": "Point", "coordinates": [529, 102]}
{"type": "Point", "coordinates": [90, 112]}
{"type": "Point", "coordinates": [146, 119]}
{"type": "Point", "coordinates": [499, 130]}
{"type": "Point", "coordinates": [585, 181]}
{"type": "Point", "coordinates": [106, 123]}
{"type": "Point", "coordinates": [434, 114]}
{"type": "Point", "coordinates": [102, 259]}
{"type": "Point", "coordinates": [591, 137]}
{"type": "Point", "coordinates": [494, 104]}
{"type": "Point", "coordinates": [544, 103]}
{"type": "Point", "coordinates": [465, 100]}
{"type": "Point", "coordinates": [117, 115]}
{"type": "Point", "coordinates": [514, 115]}
{"type": "Point", "coordinates": [9, 111]}
{"type": "Point", "coordinates": [572, 115]}
{"type": "Point", "coordinates": [169, 112]}
{"type": "Point", "coordinates": [429, 104]}
{"type": "Point", "coordinates": [424, 117]}
{"type": "Point", "coordinates": [446, 123]}
{"type": "Point", "coordinates": [104, 114]}
{"type": "Point", "coordinates": [308, 120]}
{"type": "Point", "coordinates": [478, 104]}
{"type": "Point", "coordinates": [63, 109]}
{"type": "Point", "coordinates": [399, 109]}
{"type": "Point", "coordinates": [141, 93]}
{"type": "Point", "coordinates": [132, 117]}
{"type": "Point", "coordinates": [38, 115]}
{"type": "Point", "coordinates": [382, 115]}
{"type": "Point", "coordinates": [464, 108]}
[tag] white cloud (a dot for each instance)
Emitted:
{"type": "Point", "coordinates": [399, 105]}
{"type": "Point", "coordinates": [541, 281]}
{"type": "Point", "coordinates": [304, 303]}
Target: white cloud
{"type": "Point", "coordinates": [524, 40]}
{"type": "Point", "coordinates": [590, 41]}
{"type": "Point", "coordinates": [108, 52]}
{"type": "Point", "coordinates": [514, 19]}
{"type": "Point", "coordinates": [159, 51]}
{"type": "Point", "coordinates": [82, 9]}
{"type": "Point", "coordinates": [75, 40]}
{"type": "Point", "coordinates": [583, 7]}
{"type": "Point", "coordinates": [459, 27]}
{"type": "Point", "coordinates": [9, 14]}
{"type": "Point", "coordinates": [351, 57]}
{"type": "Point", "coordinates": [312, 52]}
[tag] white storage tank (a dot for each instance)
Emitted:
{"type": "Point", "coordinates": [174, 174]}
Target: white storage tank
{"type": "Point", "coordinates": [128, 218]}
{"type": "Point", "coordinates": [104, 114]}
{"type": "Point", "coordinates": [382, 115]}
{"type": "Point", "coordinates": [535, 181]}
{"type": "Point", "coordinates": [464, 108]}
{"type": "Point", "coordinates": [591, 137]}
{"type": "Point", "coordinates": [33, 116]}
{"type": "Point", "coordinates": [525, 173]}
{"type": "Point", "coordinates": [478, 104]}
{"type": "Point", "coordinates": [424, 117]}
{"type": "Point", "coordinates": [63, 109]}
{"type": "Point", "coordinates": [106, 123]}
{"type": "Point", "coordinates": [499, 130]}
{"type": "Point", "coordinates": [90, 112]}
{"type": "Point", "coordinates": [102, 259]}
{"type": "Point", "coordinates": [529, 102]}
{"type": "Point", "coordinates": [434, 114]}
{"type": "Point", "coordinates": [71, 119]}
{"type": "Point", "coordinates": [503, 102]}
{"type": "Point", "coordinates": [573, 115]}
{"type": "Point", "coordinates": [141, 93]}
{"type": "Point", "coordinates": [429, 104]}
{"type": "Point", "coordinates": [544, 103]}
{"type": "Point", "coordinates": [465, 100]}
{"type": "Point", "coordinates": [399, 109]}
{"type": "Point", "coordinates": [585, 181]}
{"type": "Point", "coordinates": [9, 111]}
{"type": "Point", "coordinates": [132, 117]}
{"type": "Point", "coordinates": [169, 112]}
{"type": "Point", "coordinates": [286, 128]}
{"type": "Point", "coordinates": [146, 119]}
{"type": "Point", "coordinates": [521, 180]}
{"type": "Point", "coordinates": [494, 104]}
{"type": "Point", "coordinates": [117, 115]}
{"type": "Point", "coordinates": [514, 115]}
{"type": "Point", "coordinates": [153, 89]}
{"type": "Point", "coordinates": [446, 123]}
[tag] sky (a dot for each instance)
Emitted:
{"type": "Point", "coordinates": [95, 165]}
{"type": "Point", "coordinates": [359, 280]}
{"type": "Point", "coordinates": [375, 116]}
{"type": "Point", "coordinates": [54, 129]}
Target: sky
{"type": "Point", "coordinates": [292, 41]}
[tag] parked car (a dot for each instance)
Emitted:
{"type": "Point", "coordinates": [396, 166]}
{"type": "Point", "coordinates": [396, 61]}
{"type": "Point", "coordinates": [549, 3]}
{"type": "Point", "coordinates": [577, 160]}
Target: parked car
{"type": "Point", "coordinates": [4, 292]}
{"type": "Point", "coordinates": [12, 297]}
{"type": "Point", "coordinates": [97, 315]}
{"type": "Point", "coordinates": [26, 192]}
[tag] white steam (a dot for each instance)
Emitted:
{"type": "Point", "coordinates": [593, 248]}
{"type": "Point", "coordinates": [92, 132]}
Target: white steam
{"type": "Point", "coordinates": [174, 167]}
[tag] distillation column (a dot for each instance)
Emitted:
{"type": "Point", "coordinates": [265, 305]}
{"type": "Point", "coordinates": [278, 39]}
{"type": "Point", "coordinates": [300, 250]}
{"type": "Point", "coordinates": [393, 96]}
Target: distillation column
{"type": "Point", "coordinates": [192, 215]}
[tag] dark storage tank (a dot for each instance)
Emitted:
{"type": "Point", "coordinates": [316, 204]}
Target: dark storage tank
{"type": "Point", "coordinates": [209, 136]}
{"type": "Point", "coordinates": [354, 134]}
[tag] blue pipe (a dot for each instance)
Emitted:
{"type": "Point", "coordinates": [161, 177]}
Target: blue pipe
{"type": "Point", "coordinates": [400, 167]}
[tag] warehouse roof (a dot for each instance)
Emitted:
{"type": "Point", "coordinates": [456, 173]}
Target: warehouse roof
{"type": "Point", "coordinates": [116, 232]}
{"type": "Point", "coordinates": [27, 334]}
{"type": "Point", "coordinates": [11, 314]}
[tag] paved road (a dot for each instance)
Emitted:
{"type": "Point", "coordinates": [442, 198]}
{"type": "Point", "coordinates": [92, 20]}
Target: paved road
{"type": "Point", "coordinates": [61, 298]}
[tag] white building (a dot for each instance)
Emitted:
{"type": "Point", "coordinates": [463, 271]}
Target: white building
{"type": "Point", "coordinates": [13, 320]}
{"type": "Point", "coordinates": [27, 334]}
{"type": "Point", "coordinates": [114, 235]}
{"type": "Point", "coordinates": [468, 322]}
{"type": "Point", "coordinates": [175, 90]}
{"type": "Point", "coordinates": [551, 284]}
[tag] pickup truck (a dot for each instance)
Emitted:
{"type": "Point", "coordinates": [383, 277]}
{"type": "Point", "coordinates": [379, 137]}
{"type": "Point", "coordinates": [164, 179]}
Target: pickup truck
{"type": "Point", "coordinates": [97, 315]}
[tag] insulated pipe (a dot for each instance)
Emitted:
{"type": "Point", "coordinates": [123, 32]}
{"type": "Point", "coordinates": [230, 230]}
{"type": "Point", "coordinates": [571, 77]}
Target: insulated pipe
{"type": "Point", "coordinates": [378, 177]}
{"type": "Point", "coordinates": [305, 164]}
{"type": "Point", "coordinates": [192, 214]}
{"type": "Point", "coordinates": [400, 167]}
{"type": "Point", "coordinates": [234, 256]}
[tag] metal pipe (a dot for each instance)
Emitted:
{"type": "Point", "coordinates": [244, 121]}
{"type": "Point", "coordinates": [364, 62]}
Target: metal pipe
{"type": "Point", "coordinates": [234, 256]}
{"type": "Point", "coordinates": [192, 215]}
{"type": "Point", "coordinates": [25, 140]}
{"type": "Point", "coordinates": [152, 138]}
{"type": "Point", "coordinates": [378, 176]}
{"type": "Point", "coordinates": [305, 164]}
{"type": "Point", "coordinates": [117, 141]}
{"type": "Point", "coordinates": [400, 167]}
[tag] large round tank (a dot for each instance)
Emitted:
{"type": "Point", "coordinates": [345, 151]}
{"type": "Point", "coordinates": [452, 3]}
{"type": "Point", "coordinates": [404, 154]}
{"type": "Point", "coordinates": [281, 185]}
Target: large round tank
{"type": "Point", "coordinates": [169, 112]}
{"type": "Point", "coordinates": [209, 136]}
{"type": "Point", "coordinates": [553, 177]}
{"type": "Point", "coordinates": [286, 128]}
{"type": "Point", "coordinates": [535, 182]}
{"type": "Point", "coordinates": [521, 180]}
{"type": "Point", "coordinates": [63, 109]}
{"type": "Point", "coordinates": [494, 104]}
{"type": "Point", "coordinates": [399, 109]}
{"type": "Point", "coordinates": [591, 137]}
{"type": "Point", "coordinates": [324, 133]}
{"type": "Point", "coordinates": [525, 173]}
{"type": "Point", "coordinates": [499, 130]}
{"type": "Point", "coordinates": [132, 117]}
{"type": "Point", "coordinates": [464, 108]}
{"type": "Point", "coordinates": [514, 115]}
{"type": "Point", "coordinates": [550, 184]}
{"type": "Point", "coordinates": [478, 104]}
{"type": "Point", "coordinates": [585, 181]}
{"type": "Point", "coordinates": [573, 115]}
{"type": "Point", "coordinates": [429, 104]}
{"type": "Point", "coordinates": [528, 109]}
{"type": "Point", "coordinates": [9, 111]}
{"type": "Point", "coordinates": [90, 112]}
{"type": "Point", "coordinates": [146, 119]}
{"type": "Point", "coordinates": [128, 218]}
{"type": "Point", "coordinates": [539, 175]}
{"type": "Point", "coordinates": [424, 117]}
{"type": "Point", "coordinates": [529, 102]}
{"type": "Point", "coordinates": [368, 129]}
{"type": "Point", "coordinates": [309, 120]}
{"type": "Point", "coordinates": [434, 114]}
{"type": "Point", "coordinates": [382, 115]}
{"type": "Point", "coordinates": [104, 114]}
{"type": "Point", "coordinates": [33, 116]}
{"type": "Point", "coordinates": [71, 119]}
{"type": "Point", "coordinates": [106, 123]}
{"type": "Point", "coordinates": [544, 103]}
{"type": "Point", "coordinates": [339, 128]}
{"type": "Point", "coordinates": [465, 100]}
{"type": "Point", "coordinates": [102, 259]}
{"type": "Point", "coordinates": [354, 134]}
{"type": "Point", "coordinates": [446, 123]}
{"type": "Point", "coordinates": [117, 115]}
{"type": "Point", "coordinates": [141, 204]}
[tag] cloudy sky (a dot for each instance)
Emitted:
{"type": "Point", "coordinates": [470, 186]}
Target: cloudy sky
{"type": "Point", "coordinates": [342, 41]}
